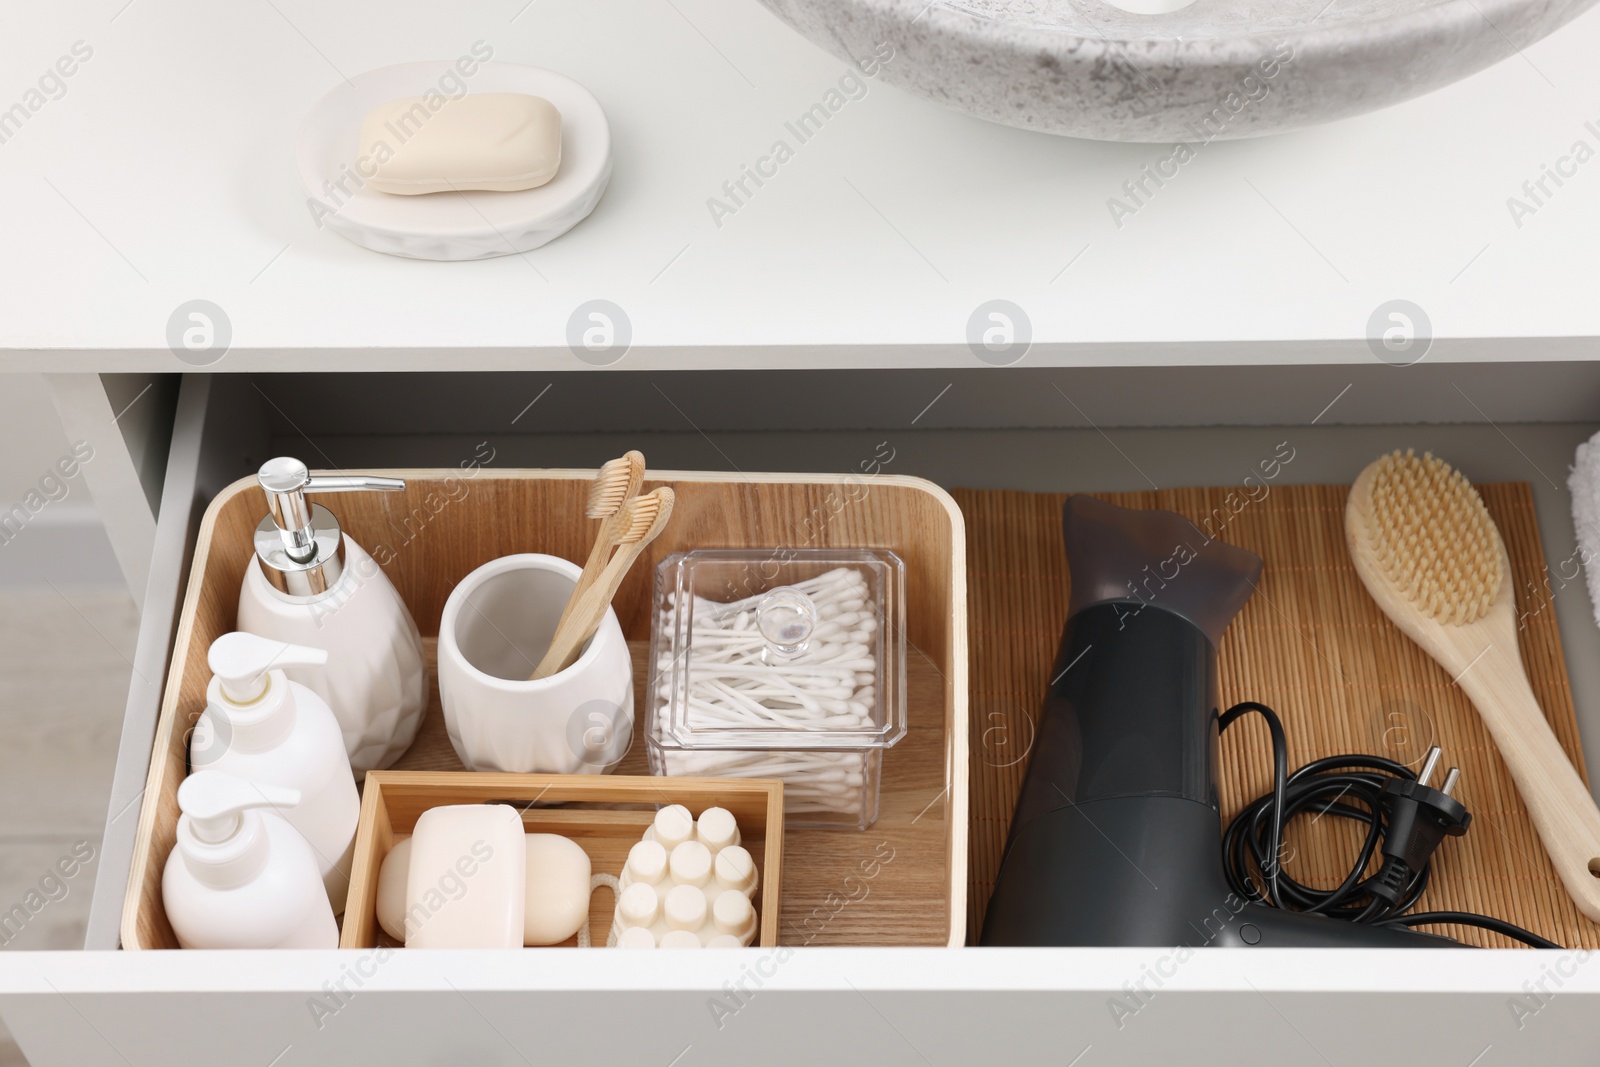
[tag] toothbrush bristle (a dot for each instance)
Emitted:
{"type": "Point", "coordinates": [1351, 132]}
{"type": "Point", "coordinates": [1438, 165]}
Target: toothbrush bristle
{"type": "Point", "coordinates": [1434, 538]}
{"type": "Point", "coordinates": [614, 484]}
{"type": "Point", "coordinates": [645, 515]}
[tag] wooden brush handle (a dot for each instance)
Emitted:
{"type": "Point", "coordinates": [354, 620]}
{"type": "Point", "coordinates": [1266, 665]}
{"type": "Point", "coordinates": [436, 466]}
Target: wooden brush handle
{"type": "Point", "coordinates": [585, 612]}
{"type": "Point", "coordinates": [599, 555]}
{"type": "Point", "coordinates": [1559, 803]}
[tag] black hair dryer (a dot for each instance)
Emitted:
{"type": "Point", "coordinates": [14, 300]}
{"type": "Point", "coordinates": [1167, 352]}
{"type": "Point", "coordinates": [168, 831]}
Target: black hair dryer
{"type": "Point", "coordinates": [1117, 834]}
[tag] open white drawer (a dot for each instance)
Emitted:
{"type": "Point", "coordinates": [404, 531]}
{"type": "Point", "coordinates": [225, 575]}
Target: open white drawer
{"type": "Point", "coordinates": [868, 1005]}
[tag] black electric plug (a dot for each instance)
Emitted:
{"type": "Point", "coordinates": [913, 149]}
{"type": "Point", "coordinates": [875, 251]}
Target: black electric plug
{"type": "Point", "coordinates": [1416, 818]}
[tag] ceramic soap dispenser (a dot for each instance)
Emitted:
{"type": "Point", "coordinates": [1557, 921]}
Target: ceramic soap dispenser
{"type": "Point", "coordinates": [262, 727]}
{"type": "Point", "coordinates": [239, 877]}
{"type": "Point", "coordinates": [310, 584]}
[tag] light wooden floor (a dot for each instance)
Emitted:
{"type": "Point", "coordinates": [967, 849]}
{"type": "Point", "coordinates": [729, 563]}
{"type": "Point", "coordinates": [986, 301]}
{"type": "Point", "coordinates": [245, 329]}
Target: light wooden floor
{"type": "Point", "coordinates": [64, 671]}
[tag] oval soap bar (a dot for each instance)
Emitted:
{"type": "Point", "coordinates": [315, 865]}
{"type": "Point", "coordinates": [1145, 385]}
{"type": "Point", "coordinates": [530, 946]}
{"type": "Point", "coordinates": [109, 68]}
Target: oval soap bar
{"type": "Point", "coordinates": [436, 144]}
{"type": "Point", "coordinates": [392, 890]}
{"type": "Point", "coordinates": [558, 889]}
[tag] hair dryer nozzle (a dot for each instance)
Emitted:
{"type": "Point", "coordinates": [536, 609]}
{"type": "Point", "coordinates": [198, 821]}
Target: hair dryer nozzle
{"type": "Point", "coordinates": [1157, 558]}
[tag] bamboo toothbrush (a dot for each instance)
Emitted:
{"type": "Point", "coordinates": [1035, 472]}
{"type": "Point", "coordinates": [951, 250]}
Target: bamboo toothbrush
{"type": "Point", "coordinates": [617, 482]}
{"type": "Point", "coordinates": [1430, 555]}
{"type": "Point", "coordinates": [642, 519]}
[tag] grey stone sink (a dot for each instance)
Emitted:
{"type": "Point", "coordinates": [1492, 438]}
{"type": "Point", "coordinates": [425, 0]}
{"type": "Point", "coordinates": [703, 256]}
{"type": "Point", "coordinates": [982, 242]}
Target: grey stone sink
{"type": "Point", "coordinates": [1215, 69]}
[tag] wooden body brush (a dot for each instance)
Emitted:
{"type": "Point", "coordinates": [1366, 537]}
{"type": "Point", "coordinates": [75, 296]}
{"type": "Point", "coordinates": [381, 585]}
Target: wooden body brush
{"type": "Point", "coordinates": [1430, 555]}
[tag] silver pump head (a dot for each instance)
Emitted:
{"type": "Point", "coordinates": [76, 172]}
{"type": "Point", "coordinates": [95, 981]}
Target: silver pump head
{"type": "Point", "coordinates": [300, 544]}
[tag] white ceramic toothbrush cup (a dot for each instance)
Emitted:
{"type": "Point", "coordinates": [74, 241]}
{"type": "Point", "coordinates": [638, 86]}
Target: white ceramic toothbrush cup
{"type": "Point", "coordinates": [496, 627]}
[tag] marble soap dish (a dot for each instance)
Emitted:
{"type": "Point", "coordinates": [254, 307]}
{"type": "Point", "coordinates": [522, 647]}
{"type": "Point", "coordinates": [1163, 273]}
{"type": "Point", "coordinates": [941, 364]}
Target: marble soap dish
{"type": "Point", "coordinates": [450, 225]}
{"type": "Point", "coordinates": [1166, 71]}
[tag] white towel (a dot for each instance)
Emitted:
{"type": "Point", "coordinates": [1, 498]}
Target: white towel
{"type": "Point", "coordinates": [1584, 482]}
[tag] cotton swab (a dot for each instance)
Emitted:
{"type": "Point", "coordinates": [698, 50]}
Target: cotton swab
{"type": "Point", "coordinates": [740, 678]}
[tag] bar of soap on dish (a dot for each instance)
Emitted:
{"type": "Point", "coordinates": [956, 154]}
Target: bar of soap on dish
{"type": "Point", "coordinates": [501, 142]}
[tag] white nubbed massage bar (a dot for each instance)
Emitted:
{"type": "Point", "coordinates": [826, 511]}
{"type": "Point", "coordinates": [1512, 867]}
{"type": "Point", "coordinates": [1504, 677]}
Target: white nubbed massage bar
{"type": "Point", "coordinates": [687, 884]}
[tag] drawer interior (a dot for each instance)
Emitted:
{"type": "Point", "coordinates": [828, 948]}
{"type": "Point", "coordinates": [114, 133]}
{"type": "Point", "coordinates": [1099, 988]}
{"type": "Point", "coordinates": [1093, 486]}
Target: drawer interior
{"type": "Point", "coordinates": [251, 418]}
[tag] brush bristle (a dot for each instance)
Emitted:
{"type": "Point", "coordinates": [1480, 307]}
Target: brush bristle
{"type": "Point", "coordinates": [610, 486]}
{"type": "Point", "coordinates": [1433, 537]}
{"type": "Point", "coordinates": [641, 514]}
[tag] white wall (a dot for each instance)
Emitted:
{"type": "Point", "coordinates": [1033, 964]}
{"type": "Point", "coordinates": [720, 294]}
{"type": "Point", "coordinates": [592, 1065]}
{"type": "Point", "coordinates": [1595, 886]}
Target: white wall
{"type": "Point", "coordinates": [30, 433]}
{"type": "Point", "coordinates": [62, 542]}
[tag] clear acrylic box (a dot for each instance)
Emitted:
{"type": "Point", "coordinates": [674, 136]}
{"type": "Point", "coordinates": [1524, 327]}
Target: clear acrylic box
{"type": "Point", "coordinates": [781, 663]}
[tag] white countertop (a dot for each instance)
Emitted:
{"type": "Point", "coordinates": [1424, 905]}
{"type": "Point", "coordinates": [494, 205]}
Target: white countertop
{"type": "Point", "coordinates": [165, 173]}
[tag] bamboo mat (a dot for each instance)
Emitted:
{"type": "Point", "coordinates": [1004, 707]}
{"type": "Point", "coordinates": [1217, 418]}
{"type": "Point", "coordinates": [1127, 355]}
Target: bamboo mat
{"type": "Point", "coordinates": [1310, 644]}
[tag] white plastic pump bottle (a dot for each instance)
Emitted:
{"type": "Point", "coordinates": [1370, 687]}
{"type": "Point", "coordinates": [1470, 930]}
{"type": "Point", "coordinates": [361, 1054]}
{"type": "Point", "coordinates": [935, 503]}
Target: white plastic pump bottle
{"type": "Point", "coordinates": [242, 878]}
{"type": "Point", "coordinates": [310, 584]}
{"type": "Point", "coordinates": [260, 726]}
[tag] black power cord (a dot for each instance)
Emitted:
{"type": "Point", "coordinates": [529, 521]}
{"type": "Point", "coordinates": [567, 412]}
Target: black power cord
{"type": "Point", "coordinates": [1406, 820]}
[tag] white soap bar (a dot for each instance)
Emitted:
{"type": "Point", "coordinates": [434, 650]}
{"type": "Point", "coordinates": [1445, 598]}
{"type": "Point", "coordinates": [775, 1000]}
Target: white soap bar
{"type": "Point", "coordinates": [556, 902]}
{"type": "Point", "coordinates": [436, 144]}
{"type": "Point", "coordinates": [467, 886]}
{"type": "Point", "coordinates": [558, 889]}
{"type": "Point", "coordinates": [392, 890]}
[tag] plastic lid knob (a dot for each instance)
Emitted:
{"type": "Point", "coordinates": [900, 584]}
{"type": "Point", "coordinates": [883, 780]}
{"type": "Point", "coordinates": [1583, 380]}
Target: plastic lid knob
{"type": "Point", "coordinates": [786, 617]}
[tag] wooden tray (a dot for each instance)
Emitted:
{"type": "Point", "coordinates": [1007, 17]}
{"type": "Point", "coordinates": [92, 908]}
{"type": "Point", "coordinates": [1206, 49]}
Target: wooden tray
{"type": "Point", "coordinates": [448, 522]}
{"type": "Point", "coordinates": [1315, 647]}
{"type": "Point", "coordinates": [604, 813]}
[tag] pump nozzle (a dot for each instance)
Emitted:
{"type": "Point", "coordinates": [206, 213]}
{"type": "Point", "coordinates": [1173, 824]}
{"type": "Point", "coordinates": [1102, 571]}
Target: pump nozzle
{"type": "Point", "coordinates": [299, 543]}
{"type": "Point", "coordinates": [215, 803]}
{"type": "Point", "coordinates": [287, 481]}
{"type": "Point", "coordinates": [241, 662]}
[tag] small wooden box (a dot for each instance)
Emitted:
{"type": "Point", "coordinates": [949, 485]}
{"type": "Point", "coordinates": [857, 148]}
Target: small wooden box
{"type": "Point", "coordinates": [392, 801]}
